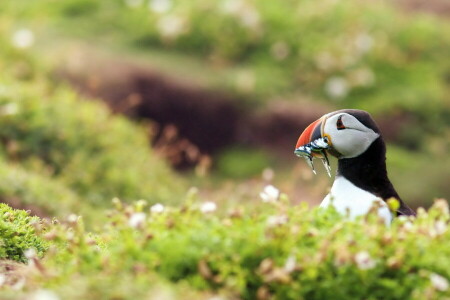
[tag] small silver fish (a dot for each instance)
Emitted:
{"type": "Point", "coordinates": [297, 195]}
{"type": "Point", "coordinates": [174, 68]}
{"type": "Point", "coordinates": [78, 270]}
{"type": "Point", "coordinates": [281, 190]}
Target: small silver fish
{"type": "Point", "coordinates": [316, 148]}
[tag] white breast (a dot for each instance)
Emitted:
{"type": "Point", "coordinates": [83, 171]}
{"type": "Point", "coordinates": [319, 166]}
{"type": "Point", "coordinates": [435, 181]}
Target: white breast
{"type": "Point", "coordinates": [348, 198]}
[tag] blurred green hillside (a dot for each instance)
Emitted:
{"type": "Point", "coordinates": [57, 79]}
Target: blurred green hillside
{"type": "Point", "coordinates": [338, 54]}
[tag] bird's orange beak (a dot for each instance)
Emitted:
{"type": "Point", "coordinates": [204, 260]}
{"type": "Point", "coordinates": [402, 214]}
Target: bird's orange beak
{"type": "Point", "coordinates": [311, 133]}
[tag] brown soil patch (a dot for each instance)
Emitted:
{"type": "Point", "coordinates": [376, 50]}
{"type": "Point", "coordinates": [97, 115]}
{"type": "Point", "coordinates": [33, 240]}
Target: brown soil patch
{"type": "Point", "coordinates": [189, 121]}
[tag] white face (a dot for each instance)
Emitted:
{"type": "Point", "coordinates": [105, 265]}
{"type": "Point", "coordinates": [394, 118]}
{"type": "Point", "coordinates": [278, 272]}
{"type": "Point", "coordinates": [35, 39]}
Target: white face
{"type": "Point", "coordinates": [347, 135]}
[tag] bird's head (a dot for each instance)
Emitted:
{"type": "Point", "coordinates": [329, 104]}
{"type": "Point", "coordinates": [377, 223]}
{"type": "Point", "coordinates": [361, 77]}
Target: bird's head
{"type": "Point", "coordinates": [344, 134]}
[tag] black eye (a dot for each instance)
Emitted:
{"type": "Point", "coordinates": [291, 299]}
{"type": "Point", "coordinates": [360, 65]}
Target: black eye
{"type": "Point", "coordinates": [339, 124]}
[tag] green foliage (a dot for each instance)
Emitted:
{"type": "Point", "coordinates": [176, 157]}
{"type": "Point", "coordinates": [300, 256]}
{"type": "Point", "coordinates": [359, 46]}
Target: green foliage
{"type": "Point", "coordinates": [40, 194]}
{"type": "Point", "coordinates": [100, 156]}
{"type": "Point", "coordinates": [239, 162]}
{"type": "Point", "coordinates": [275, 251]}
{"type": "Point", "coordinates": [375, 58]}
{"type": "Point", "coordinates": [18, 234]}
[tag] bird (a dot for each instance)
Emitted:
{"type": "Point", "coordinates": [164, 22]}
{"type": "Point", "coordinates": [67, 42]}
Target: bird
{"type": "Point", "coordinates": [361, 179]}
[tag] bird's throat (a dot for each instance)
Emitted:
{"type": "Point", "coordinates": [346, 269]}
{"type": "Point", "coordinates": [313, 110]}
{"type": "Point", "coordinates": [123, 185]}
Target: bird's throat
{"type": "Point", "coordinates": [368, 171]}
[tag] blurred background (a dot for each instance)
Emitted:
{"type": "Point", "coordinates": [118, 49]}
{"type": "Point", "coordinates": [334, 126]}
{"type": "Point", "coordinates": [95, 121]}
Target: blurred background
{"type": "Point", "coordinates": [141, 99]}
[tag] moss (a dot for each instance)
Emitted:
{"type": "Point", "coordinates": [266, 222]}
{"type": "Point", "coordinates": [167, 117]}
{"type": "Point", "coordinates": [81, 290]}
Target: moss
{"type": "Point", "coordinates": [18, 234]}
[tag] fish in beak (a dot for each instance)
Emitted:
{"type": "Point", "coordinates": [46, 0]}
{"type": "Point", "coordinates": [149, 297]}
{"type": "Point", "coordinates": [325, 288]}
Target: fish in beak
{"type": "Point", "coordinates": [312, 144]}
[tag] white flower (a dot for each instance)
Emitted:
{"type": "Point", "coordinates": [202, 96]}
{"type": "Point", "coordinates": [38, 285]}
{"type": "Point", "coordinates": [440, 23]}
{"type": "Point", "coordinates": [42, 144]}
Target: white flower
{"type": "Point", "coordinates": [44, 295]}
{"type": "Point", "coordinates": [247, 15]}
{"type": "Point", "coordinates": [250, 18]}
{"type": "Point", "coordinates": [160, 6]}
{"type": "Point", "coordinates": [364, 42]}
{"type": "Point", "coordinates": [408, 226]}
{"type": "Point", "coordinates": [171, 26]}
{"type": "Point", "coordinates": [273, 221]}
{"type": "Point", "coordinates": [208, 207]}
{"type": "Point", "coordinates": [290, 264]}
{"type": "Point", "coordinates": [270, 194]}
{"type": "Point", "coordinates": [232, 6]}
{"type": "Point", "coordinates": [364, 261]}
{"type": "Point", "coordinates": [9, 109]}
{"type": "Point", "coordinates": [268, 174]}
{"type": "Point", "coordinates": [2, 279]}
{"type": "Point", "coordinates": [30, 253]}
{"type": "Point", "coordinates": [440, 226]}
{"type": "Point", "coordinates": [362, 77]}
{"type": "Point", "coordinates": [157, 208]}
{"type": "Point", "coordinates": [23, 38]}
{"type": "Point", "coordinates": [440, 283]}
{"type": "Point", "coordinates": [136, 219]}
{"type": "Point", "coordinates": [336, 87]}
{"type": "Point", "coordinates": [72, 218]}
{"type": "Point", "coordinates": [134, 3]}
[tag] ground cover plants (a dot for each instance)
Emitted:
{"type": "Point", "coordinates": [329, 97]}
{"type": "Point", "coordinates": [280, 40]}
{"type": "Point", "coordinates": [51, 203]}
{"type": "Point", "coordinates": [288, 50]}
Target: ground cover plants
{"type": "Point", "coordinates": [275, 251]}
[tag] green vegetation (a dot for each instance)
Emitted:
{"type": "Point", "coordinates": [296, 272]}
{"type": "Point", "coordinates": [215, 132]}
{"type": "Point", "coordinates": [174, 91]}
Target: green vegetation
{"type": "Point", "coordinates": [376, 57]}
{"type": "Point", "coordinates": [99, 156]}
{"type": "Point", "coordinates": [43, 195]}
{"type": "Point", "coordinates": [18, 233]}
{"type": "Point", "coordinates": [273, 252]}
{"type": "Point", "coordinates": [62, 155]}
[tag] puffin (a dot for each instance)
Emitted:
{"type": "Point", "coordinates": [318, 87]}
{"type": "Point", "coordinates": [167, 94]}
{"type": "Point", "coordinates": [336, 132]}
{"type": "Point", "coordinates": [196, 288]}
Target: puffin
{"type": "Point", "coordinates": [361, 179]}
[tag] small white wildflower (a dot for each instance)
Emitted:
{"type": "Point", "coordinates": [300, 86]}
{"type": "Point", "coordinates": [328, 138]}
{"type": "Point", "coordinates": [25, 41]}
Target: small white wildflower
{"type": "Point", "coordinates": [250, 18]}
{"type": "Point", "coordinates": [440, 226]}
{"type": "Point", "coordinates": [44, 295]}
{"type": "Point", "coordinates": [336, 87]}
{"type": "Point", "coordinates": [72, 218]}
{"type": "Point", "coordinates": [440, 283]}
{"type": "Point", "coordinates": [270, 194]}
{"type": "Point", "coordinates": [232, 6]}
{"type": "Point", "coordinates": [23, 38]}
{"type": "Point", "coordinates": [408, 226]}
{"type": "Point", "coordinates": [157, 208]}
{"type": "Point", "coordinates": [70, 235]}
{"type": "Point", "coordinates": [30, 253]}
{"type": "Point", "coordinates": [208, 207]}
{"type": "Point", "coordinates": [160, 6]}
{"type": "Point", "coordinates": [364, 42]}
{"type": "Point", "coordinates": [268, 174]}
{"type": "Point", "coordinates": [362, 77]}
{"type": "Point", "coordinates": [290, 264]}
{"type": "Point", "coordinates": [364, 261]}
{"type": "Point", "coordinates": [9, 109]}
{"type": "Point", "coordinates": [273, 221]}
{"type": "Point", "coordinates": [136, 219]}
{"type": "Point", "coordinates": [171, 27]}
{"type": "Point", "coordinates": [2, 279]}
{"type": "Point", "coordinates": [134, 3]}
